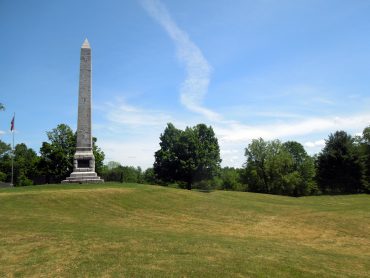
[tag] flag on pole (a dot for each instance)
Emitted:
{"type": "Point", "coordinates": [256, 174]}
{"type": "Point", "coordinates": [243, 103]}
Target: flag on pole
{"type": "Point", "coordinates": [12, 124]}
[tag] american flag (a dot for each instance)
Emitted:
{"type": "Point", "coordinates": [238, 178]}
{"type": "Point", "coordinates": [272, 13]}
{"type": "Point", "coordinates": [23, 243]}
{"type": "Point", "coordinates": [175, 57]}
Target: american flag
{"type": "Point", "coordinates": [12, 124]}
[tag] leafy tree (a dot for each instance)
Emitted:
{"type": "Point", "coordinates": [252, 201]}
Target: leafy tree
{"type": "Point", "coordinates": [131, 174]}
{"type": "Point", "coordinates": [304, 165]}
{"type": "Point", "coordinates": [114, 171]}
{"type": "Point", "coordinates": [256, 172]}
{"type": "Point", "coordinates": [365, 155]}
{"type": "Point", "coordinates": [57, 156]}
{"type": "Point", "coordinates": [113, 164]}
{"type": "Point", "coordinates": [56, 161]}
{"type": "Point", "coordinates": [297, 152]}
{"type": "Point", "coordinates": [340, 168]}
{"type": "Point", "coordinates": [5, 162]}
{"type": "Point", "coordinates": [167, 164]}
{"type": "Point", "coordinates": [99, 157]}
{"type": "Point", "coordinates": [231, 179]}
{"type": "Point", "coordinates": [281, 177]}
{"type": "Point", "coordinates": [4, 148]}
{"type": "Point", "coordinates": [2, 177]}
{"type": "Point", "coordinates": [25, 165]}
{"type": "Point", "coordinates": [149, 176]}
{"type": "Point", "coordinates": [273, 167]}
{"type": "Point", "coordinates": [189, 156]}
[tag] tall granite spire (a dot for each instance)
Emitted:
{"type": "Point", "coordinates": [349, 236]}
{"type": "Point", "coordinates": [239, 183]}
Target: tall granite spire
{"type": "Point", "coordinates": [84, 160]}
{"type": "Point", "coordinates": [84, 139]}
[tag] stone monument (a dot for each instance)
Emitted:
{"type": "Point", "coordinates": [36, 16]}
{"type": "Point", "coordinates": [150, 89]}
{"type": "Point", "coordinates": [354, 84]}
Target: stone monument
{"type": "Point", "coordinates": [84, 160]}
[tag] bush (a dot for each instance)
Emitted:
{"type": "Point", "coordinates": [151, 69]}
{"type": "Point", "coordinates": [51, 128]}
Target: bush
{"type": "Point", "coordinates": [2, 176]}
{"type": "Point", "coordinates": [204, 185]}
{"type": "Point", "coordinates": [24, 181]}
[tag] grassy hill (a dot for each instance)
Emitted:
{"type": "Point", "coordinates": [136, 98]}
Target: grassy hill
{"type": "Point", "coordinates": [131, 230]}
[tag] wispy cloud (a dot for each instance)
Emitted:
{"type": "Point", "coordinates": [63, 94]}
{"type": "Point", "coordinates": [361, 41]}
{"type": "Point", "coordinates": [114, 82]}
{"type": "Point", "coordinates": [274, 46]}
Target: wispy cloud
{"type": "Point", "coordinates": [195, 87]}
{"type": "Point", "coordinates": [140, 128]}
{"type": "Point", "coordinates": [236, 132]}
{"type": "Point", "coordinates": [123, 113]}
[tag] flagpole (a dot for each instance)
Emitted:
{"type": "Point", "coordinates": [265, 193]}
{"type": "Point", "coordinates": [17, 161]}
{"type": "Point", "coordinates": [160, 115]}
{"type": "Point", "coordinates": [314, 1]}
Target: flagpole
{"type": "Point", "coordinates": [12, 180]}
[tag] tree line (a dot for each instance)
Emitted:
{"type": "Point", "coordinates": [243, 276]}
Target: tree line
{"type": "Point", "coordinates": [190, 159]}
{"type": "Point", "coordinates": [54, 163]}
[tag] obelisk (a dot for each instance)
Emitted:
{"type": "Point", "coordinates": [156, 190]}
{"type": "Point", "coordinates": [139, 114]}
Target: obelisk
{"type": "Point", "coordinates": [84, 160]}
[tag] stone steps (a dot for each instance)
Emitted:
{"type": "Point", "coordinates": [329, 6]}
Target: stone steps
{"type": "Point", "coordinates": [83, 177]}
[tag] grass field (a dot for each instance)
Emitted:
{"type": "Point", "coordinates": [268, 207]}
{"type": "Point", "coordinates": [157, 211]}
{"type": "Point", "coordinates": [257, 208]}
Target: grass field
{"type": "Point", "coordinates": [131, 230]}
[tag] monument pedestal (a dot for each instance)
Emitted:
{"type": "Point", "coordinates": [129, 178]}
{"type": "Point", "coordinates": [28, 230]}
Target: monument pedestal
{"type": "Point", "coordinates": [83, 169]}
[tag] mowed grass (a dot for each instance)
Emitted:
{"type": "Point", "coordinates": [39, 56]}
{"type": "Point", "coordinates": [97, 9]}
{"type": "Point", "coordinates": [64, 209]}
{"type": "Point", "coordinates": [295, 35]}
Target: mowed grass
{"type": "Point", "coordinates": [131, 230]}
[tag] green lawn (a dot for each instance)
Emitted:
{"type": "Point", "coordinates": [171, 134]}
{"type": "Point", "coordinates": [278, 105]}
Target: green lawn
{"type": "Point", "coordinates": [131, 230]}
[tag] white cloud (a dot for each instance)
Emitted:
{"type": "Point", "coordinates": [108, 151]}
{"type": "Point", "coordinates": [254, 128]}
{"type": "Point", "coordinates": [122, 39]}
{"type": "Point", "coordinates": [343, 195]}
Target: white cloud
{"type": "Point", "coordinates": [140, 128]}
{"type": "Point", "coordinates": [314, 144]}
{"type": "Point", "coordinates": [198, 70]}
{"type": "Point", "coordinates": [139, 152]}
{"type": "Point", "coordinates": [236, 132]}
{"type": "Point", "coordinates": [126, 114]}
{"type": "Point", "coordinates": [129, 134]}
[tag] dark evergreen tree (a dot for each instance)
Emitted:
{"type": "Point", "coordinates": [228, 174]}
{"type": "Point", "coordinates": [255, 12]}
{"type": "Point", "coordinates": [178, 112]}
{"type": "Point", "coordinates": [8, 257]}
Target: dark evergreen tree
{"type": "Point", "coordinates": [340, 168]}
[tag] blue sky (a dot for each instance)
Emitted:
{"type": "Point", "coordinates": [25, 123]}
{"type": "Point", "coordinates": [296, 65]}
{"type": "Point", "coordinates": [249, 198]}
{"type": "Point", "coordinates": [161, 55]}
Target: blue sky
{"type": "Point", "coordinates": [292, 70]}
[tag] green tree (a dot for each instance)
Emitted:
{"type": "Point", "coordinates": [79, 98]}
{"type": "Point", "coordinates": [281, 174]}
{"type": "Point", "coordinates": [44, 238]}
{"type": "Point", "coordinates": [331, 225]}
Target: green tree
{"type": "Point", "coordinates": [56, 161]}
{"type": "Point", "coordinates": [131, 174]}
{"type": "Point", "coordinates": [25, 165]}
{"type": "Point", "coordinates": [149, 176]}
{"type": "Point", "coordinates": [256, 172]}
{"type": "Point", "coordinates": [167, 164]}
{"type": "Point", "coordinates": [273, 167]}
{"type": "Point", "coordinates": [365, 155]}
{"type": "Point", "coordinates": [340, 168]}
{"type": "Point", "coordinates": [5, 162]}
{"type": "Point", "coordinates": [114, 171]}
{"type": "Point", "coordinates": [99, 157]}
{"type": "Point", "coordinates": [304, 165]}
{"type": "Point", "coordinates": [4, 149]}
{"type": "Point", "coordinates": [231, 179]}
{"type": "Point", "coordinates": [113, 164]}
{"type": "Point", "coordinates": [282, 179]}
{"type": "Point", "coordinates": [189, 156]}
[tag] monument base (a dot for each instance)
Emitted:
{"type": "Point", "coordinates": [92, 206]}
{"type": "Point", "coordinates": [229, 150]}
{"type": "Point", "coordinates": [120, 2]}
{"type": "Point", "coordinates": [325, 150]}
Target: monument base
{"type": "Point", "coordinates": [83, 168]}
{"type": "Point", "coordinates": [83, 177]}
